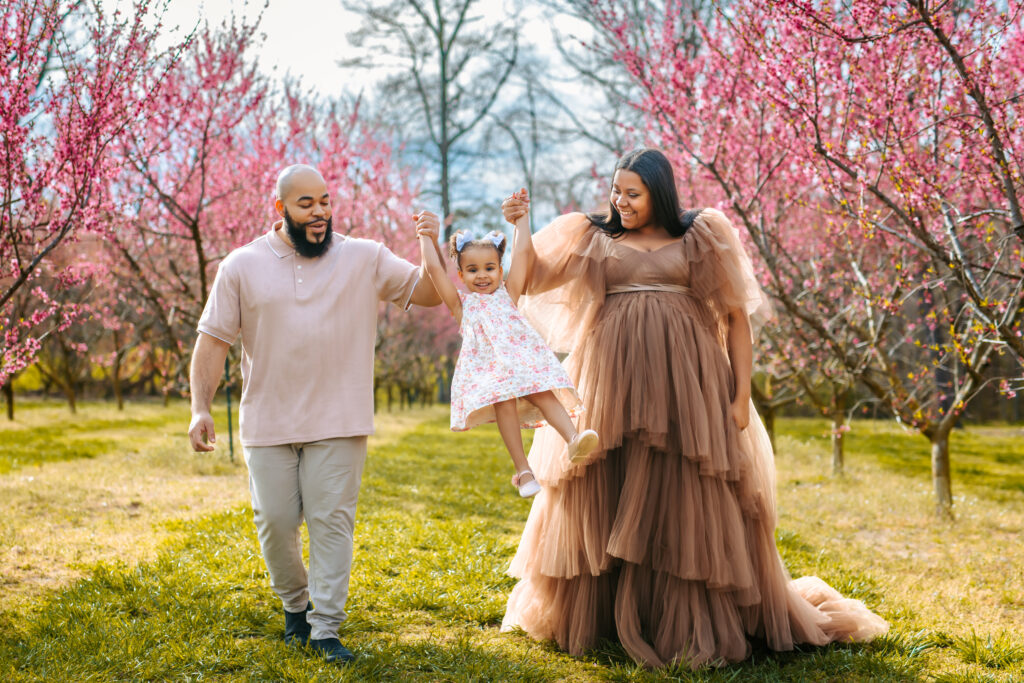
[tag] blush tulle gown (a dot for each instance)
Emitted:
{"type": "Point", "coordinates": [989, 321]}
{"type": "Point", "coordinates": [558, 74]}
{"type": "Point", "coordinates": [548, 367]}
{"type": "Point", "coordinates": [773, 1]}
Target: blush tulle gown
{"type": "Point", "coordinates": [664, 538]}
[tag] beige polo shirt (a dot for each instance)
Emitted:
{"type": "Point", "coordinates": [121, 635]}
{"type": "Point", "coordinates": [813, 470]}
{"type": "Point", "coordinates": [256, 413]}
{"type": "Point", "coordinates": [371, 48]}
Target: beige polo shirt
{"type": "Point", "coordinates": [308, 328]}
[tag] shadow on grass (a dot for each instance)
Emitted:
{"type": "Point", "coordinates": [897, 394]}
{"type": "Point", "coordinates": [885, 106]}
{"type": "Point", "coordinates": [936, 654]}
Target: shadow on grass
{"type": "Point", "coordinates": [438, 523]}
{"type": "Point", "coordinates": [858, 662]}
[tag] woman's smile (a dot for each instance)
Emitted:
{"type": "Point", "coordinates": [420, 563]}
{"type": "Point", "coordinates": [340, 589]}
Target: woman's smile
{"type": "Point", "coordinates": [631, 199]}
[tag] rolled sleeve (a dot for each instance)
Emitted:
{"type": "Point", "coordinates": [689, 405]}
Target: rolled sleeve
{"type": "Point", "coordinates": [221, 316]}
{"type": "Point", "coordinates": [395, 278]}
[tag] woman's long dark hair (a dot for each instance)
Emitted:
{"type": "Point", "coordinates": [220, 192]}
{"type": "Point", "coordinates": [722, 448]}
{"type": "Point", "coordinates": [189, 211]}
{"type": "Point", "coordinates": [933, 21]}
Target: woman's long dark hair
{"type": "Point", "coordinates": [655, 171]}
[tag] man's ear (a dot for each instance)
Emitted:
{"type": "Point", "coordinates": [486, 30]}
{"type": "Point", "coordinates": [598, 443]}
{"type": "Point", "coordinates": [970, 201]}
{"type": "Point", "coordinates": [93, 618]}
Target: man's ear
{"type": "Point", "coordinates": [279, 207]}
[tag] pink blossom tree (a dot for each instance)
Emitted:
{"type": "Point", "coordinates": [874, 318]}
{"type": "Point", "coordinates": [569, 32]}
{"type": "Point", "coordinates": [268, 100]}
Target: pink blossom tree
{"type": "Point", "coordinates": [203, 172]}
{"type": "Point", "coordinates": [167, 161]}
{"type": "Point", "coordinates": [197, 183]}
{"type": "Point", "coordinates": [907, 115]}
{"type": "Point", "coordinates": [863, 297]}
{"type": "Point", "coordinates": [62, 104]}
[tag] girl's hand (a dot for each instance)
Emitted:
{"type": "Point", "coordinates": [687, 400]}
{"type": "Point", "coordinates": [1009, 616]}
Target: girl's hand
{"type": "Point", "coordinates": [427, 224]}
{"type": "Point", "coordinates": [515, 206]}
{"type": "Point", "coordinates": [740, 413]}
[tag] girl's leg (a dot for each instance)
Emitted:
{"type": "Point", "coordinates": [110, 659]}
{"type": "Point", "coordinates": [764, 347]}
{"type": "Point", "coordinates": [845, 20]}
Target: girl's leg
{"type": "Point", "coordinates": [554, 412]}
{"type": "Point", "coordinates": [507, 416]}
{"type": "Point", "coordinates": [580, 445]}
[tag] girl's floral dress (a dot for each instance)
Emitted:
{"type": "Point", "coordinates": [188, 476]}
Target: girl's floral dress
{"type": "Point", "coordinates": [503, 357]}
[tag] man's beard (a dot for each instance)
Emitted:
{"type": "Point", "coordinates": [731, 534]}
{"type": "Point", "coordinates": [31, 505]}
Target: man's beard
{"type": "Point", "coordinates": [297, 234]}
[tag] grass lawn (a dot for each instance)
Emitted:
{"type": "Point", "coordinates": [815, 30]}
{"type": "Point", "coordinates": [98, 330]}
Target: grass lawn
{"type": "Point", "coordinates": [143, 562]}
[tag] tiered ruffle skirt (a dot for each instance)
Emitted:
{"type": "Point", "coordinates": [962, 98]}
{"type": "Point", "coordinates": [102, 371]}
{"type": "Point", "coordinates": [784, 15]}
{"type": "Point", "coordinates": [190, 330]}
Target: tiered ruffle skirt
{"type": "Point", "coordinates": [664, 539]}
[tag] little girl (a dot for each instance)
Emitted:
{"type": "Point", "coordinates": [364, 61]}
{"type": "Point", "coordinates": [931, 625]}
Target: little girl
{"type": "Point", "coordinates": [503, 359]}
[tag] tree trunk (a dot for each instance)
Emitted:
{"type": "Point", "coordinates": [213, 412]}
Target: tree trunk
{"type": "Point", "coordinates": [118, 391]}
{"type": "Point", "coordinates": [69, 393]}
{"type": "Point", "coordinates": [447, 220]}
{"type": "Point", "coordinates": [838, 422]}
{"type": "Point", "coordinates": [447, 369]}
{"type": "Point", "coordinates": [940, 470]}
{"type": "Point", "coordinates": [838, 431]}
{"type": "Point", "coordinates": [115, 377]}
{"type": "Point", "coordinates": [444, 144]}
{"type": "Point", "coordinates": [768, 417]}
{"type": "Point", "coordinates": [9, 398]}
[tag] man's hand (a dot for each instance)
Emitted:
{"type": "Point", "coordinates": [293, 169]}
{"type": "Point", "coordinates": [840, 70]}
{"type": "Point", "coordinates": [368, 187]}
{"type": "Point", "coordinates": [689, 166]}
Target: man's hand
{"type": "Point", "coordinates": [427, 224]}
{"type": "Point", "coordinates": [201, 434]}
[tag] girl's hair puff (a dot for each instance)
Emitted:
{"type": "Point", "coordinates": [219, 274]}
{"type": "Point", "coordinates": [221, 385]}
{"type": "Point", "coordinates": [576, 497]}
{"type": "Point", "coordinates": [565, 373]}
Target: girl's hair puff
{"type": "Point", "coordinates": [485, 241]}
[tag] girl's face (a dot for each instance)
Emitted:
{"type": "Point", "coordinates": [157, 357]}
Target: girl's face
{"type": "Point", "coordinates": [631, 199]}
{"type": "Point", "coordinates": [480, 269]}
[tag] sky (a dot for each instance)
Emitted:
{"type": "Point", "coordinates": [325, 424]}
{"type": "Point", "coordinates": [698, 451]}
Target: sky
{"type": "Point", "coordinates": [308, 43]}
{"type": "Point", "coordinates": [306, 38]}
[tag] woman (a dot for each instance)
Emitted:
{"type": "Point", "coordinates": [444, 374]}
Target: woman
{"type": "Point", "coordinates": [664, 537]}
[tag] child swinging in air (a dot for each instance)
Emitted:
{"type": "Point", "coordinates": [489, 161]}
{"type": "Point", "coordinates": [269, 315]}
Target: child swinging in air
{"type": "Point", "coordinates": [505, 372]}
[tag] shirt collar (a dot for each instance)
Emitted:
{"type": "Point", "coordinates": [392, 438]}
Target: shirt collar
{"type": "Point", "coordinates": [278, 245]}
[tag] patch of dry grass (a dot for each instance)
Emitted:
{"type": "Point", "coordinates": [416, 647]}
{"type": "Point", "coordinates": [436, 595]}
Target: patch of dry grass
{"type": "Point", "coordinates": [59, 518]}
{"type": "Point", "coordinates": [957, 578]}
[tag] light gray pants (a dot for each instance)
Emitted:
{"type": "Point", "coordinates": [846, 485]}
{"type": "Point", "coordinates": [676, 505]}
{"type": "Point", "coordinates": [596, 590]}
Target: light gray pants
{"type": "Point", "coordinates": [318, 481]}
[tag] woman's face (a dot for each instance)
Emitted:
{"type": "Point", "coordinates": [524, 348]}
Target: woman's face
{"type": "Point", "coordinates": [631, 199]}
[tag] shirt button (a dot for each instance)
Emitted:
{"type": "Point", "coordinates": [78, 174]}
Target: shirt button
{"type": "Point", "coordinates": [300, 267]}
{"type": "Point", "coordinates": [300, 281]}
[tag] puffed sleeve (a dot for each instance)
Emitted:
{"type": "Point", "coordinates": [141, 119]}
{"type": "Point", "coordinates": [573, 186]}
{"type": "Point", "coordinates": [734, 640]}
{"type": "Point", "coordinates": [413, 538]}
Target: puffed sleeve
{"type": "Point", "coordinates": [721, 271]}
{"type": "Point", "coordinates": [566, 285]}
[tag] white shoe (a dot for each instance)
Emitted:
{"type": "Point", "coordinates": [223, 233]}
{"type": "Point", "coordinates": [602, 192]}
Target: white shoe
{"type": "Point", "coordinates": [583, 445]}
{"type": "Point", "coordinates": [530, 488]}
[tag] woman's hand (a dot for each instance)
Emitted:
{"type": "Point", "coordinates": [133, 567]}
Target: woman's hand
{"type": "Point", "coordinates": [740, 413]}
{"type": "Point", "coordinates": [515, 206]}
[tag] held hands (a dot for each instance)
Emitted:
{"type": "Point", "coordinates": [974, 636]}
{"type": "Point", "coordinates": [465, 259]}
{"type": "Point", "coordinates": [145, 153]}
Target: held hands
{"type": "Point", "coordinates": [201, 434]}
{"type": "Point", "coordinates": [427, 224]}
{"type": "Point", "coordinates": [516, 206]}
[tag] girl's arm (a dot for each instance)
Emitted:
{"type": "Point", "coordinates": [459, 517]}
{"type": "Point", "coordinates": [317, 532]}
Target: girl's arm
{"type": "Point", "coordinates": [430, 258]}
{"type": "Point", "coordinates": [741, 357]}
{"type": "Point", "coordinates": [425, 293]}
{"type": "Point", "coordinates": [522, 251]}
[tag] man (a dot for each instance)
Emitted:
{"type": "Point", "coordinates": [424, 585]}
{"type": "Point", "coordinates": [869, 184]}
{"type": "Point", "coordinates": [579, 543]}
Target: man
{"type": "Point", "coordinates": [305, 304]}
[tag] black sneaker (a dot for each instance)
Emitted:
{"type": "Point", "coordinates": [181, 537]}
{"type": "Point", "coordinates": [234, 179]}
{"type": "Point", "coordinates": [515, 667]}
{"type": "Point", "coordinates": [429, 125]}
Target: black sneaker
{"type": "Point", "coordinates": [331, 650]}
{"type": "Point", "coordinates": [296, 628]}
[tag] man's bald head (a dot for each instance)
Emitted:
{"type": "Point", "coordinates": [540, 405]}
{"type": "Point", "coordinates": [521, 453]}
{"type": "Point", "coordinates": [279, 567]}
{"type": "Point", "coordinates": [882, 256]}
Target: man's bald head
{"type": "Point", "coordinates": [296, 178]}
{"type": "Point", "coordinates": [305, 205]}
